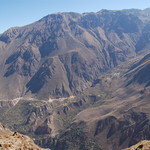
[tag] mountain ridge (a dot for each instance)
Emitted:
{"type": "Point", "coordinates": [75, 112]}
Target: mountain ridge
{"type": "Point", "coordinates": [97, 41]}
{"type": "Point", "coordinates": [79, 76]}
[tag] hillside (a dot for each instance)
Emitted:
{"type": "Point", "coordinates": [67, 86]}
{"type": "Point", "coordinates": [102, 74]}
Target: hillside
{"type": "Point", "coordinates": [78, 81]}
{"type": "Point", "coordinates": [14, 141]}
{"type": "Point", "coordinates": [80, 46]}
{"type": "Point", "coordinates": [112, 114]}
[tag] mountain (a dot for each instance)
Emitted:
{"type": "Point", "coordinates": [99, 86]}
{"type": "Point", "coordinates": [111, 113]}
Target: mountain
{"type": "Point", "coordinates": [140, 71]}
{"type": "Point", "coordinates": [12, 141]}
{"type": "Point", "coordinates": [78, 81]}
{"type": "Point", "coordinates": [80, 46]}
{"type": "Point", "coordinates": [142, 14]}
{"type": "Point", "coordinates": [118, 121]}
{"type": "Point", "coordinates": [112, 114]}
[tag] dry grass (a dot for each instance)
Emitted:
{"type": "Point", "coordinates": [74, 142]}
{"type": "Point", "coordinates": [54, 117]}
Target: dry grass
{"type": "Point", "coordinates": [15, 141]}
{"type": "Point", "coordinates": [143, 145]}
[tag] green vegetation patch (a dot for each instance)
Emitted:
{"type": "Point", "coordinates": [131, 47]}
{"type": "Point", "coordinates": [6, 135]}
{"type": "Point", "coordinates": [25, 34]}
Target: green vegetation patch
{"type": "Point", "coordinates": [76, 139]}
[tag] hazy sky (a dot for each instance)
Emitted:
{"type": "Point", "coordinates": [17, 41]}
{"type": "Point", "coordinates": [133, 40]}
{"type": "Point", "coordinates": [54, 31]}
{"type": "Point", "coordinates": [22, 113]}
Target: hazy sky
{"type": "Point", "coordinates": [22, 12]}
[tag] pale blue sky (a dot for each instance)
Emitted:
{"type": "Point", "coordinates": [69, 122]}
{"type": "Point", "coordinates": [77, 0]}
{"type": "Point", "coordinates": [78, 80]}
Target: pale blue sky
{"type": "Point", "coordinates": [22, 12]}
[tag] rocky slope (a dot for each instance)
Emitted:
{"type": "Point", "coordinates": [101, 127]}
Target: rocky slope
{"type": "Point", "coordinates": [14, 141]}
{"type": "Point", "coordinates": [143, 145]}
{"type": "Point", "coordinates": [101, 58]}
{"type": "Point", "coordinates": [80, 46]}
{"type": "Point", "coordinates": [121, 120]}
{"type": "Point", "coordinates": [110, 115]}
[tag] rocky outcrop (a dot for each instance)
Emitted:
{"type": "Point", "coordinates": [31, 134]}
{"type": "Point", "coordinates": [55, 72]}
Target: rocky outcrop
{"type": "Point", "coordinates": [14, 141]}
{"type": "Point", "coordinates": [143, 145]}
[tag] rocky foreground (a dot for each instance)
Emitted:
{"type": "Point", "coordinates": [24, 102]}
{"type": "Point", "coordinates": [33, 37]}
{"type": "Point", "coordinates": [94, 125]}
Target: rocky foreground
{"type": "Point", "coordinates": [14, 141]}
{"type": "Point", "coordinates": [143, 145]}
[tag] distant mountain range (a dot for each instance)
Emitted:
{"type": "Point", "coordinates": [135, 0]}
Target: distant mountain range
{"type": "Point", "coordinates": [78, 81]}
